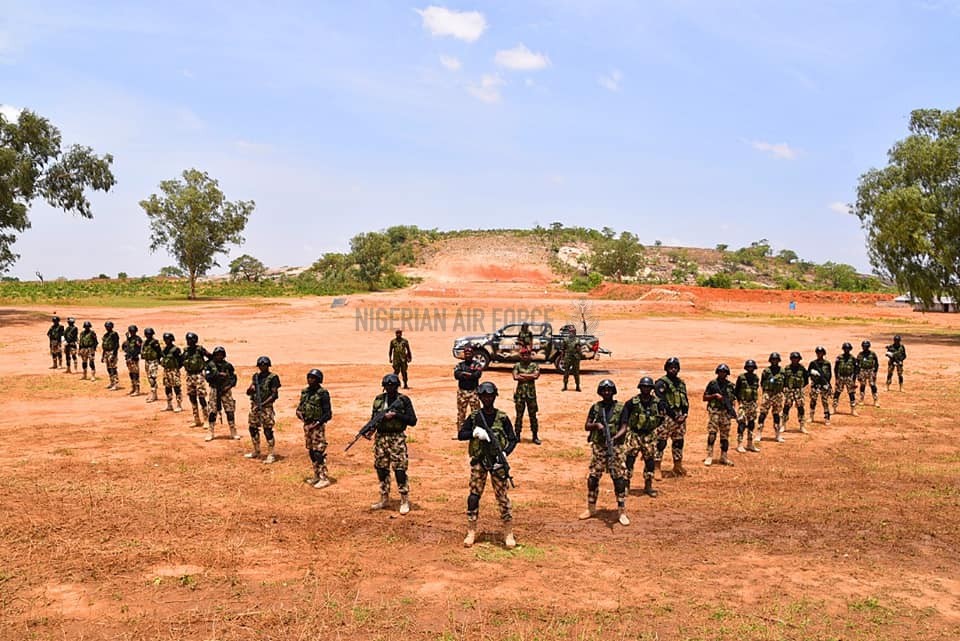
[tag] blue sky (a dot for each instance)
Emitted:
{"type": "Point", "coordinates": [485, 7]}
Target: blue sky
{"type": "Point", "coordinates": [693, 123]}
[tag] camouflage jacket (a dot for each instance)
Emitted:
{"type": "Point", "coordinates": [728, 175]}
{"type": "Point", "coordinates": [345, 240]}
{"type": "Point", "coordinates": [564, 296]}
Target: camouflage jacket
{"type": "Point", "coordinates": [110, 341]}
{"type": "Point", "coordinates": [526, 389]}
{"type": "Point", "coordinates": [601, 413]}
{"type": "Point", "coordinates": [55, 333]}
{"type": "Point", "coordinates": [88, 338]}
{"type": "Point", "coordinates": [400, 351]}
{"type": "Point", "coordinates": [220, 375]}
{"type": "Point", "coordinates": [70, 333]}
{"type": "Point", "coordinates": [266, 388]}
{"type": "Point", "coordinates": [194, 359]}
{"type": "Point", "coordinates": [405, 417]}
{"type": "Point", "coordinates": [151, 350]}
{"type": "Point", "coordinates": [131, 347]}
{"type": "Point", "coordinates": [501, 427]}
{"type": "Point", "coordinates": [170, 357]}
{"type": "Point", "coordinates": [824, 374]}
{"type": "Point", "coordinates": [795, 377]}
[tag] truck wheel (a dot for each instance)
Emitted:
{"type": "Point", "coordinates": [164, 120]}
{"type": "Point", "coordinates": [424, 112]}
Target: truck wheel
{"type": "Point", "coordinates": [483, 357]}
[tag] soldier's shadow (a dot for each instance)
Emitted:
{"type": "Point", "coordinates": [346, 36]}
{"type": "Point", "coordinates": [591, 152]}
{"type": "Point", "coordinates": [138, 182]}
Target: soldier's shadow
{"type": "Point", "coordinates": [608, 517]}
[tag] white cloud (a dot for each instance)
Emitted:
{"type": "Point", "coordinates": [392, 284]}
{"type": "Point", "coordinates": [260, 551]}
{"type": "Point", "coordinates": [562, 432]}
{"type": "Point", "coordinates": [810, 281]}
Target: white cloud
{"type": "Point", "coordinates": [188, 74]}
{"type": "Point", "coordinates": [839, 207]}
{"type": "Point", "coordinates": [780, 150]}
{"type": "Point", "coordinates": [521, 59]}
{"type": "Point", "coordinates": [11, 113]}
{"type": "Point", "coordinates": [252, 147]}
{"type": "Point", "coordinates": [463, 25]}
{"type": "Point", "coordinates": [451, 63]}
{"type": "Point", "coordinates": [489, 88]}
{"type": "Point", "coordinates": [611, 81]}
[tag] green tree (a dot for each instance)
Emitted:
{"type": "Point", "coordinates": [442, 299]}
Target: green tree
{"type": "Point", "coordinates": [787, 256]}
{"type": "Point", "coordinates": [194, 222]}
{"type": "Point", "coordinates": [247, 268]}
{"type": "Point", "coordinates": [33, 165]}
{"type": "Point", "coordinates": [171, 271]}
{"type": "Point", "coordinates": [371, 253]}
{"type": "Point", "coordinates": [910, 209]}
{"type": "Point", "coordinates": [617, 257]}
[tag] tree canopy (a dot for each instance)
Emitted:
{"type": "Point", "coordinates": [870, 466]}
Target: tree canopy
{"type": "Point", "coordinates": [194, 222]}
{"type": "Point", "coordinates": [910, 209]}
{"type": "Point", "coordinates": [34, 166]}
{"type": "Point", "coordinates": [247, 268]}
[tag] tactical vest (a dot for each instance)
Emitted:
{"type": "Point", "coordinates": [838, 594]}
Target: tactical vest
{"type": "Point", "coordinates": [793, 378]}
{"type": "Point", "coordinates": [846, 366]}
{"type": "Point", "coordinates": [644, 418]}
{"type": "Point", "coordinates": [598, 411]}
{"type": "Point", "coordinates": [110, 342]}
{"type": "Point", "coordinates": [748, 386]}
{"type": "Point", "coordinates": [193, 360]}
{"type": "Point", "coordinates": [676, 395]}
{"type": "Point", "coordinates": [55, 332]}
{"type": "Point", "coordinates": [151, 350]}
{"type": "Point", "coordinates": [476, 448]}
{"type": "Point", "coordinates": [311, 403]}
{"type": "Point", "coordinates": [822, 366]}
{"type": "Point", "coordinates": [131, 347]}
{"type": "Point", "coordinates": [213, 369]}
{"type": "Point", "coordinates": [394, 425]}
{"type": "Point", "coordinates": [774, 382]}
{"type": "Point", "coordinates": [723, 387]}
{"type": "Point", "coordinates": [88, 338]}
{"type": "Point", "coordinates": [70, 334]}
{"type": "Point", "coordinates": [898, 352]}
{"type": "Point", "coordinates": [171, 357]}
{"type": "Point", "coordinates": [868, 361]}
{"type": "Point", "coordinates": [264, 385]}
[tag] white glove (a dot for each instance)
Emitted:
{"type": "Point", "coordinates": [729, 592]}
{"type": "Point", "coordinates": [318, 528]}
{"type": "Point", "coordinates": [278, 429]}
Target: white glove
{"type": "Point", "coordinates": [480, 433]}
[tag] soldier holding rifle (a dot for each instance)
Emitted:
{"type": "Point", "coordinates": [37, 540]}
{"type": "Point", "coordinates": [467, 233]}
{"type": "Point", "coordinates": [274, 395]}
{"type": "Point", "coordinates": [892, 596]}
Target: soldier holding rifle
{"type": "Point", "coordinates": [314, 410]}
{"type": "Point", "coordinates": [263, 391]}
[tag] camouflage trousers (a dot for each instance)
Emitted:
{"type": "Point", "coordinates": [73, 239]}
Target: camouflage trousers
{"type": "Point", "coordinates": [56, 347]}
{"type": "Point", "coordinates": [571, 367]}
{"type": "Point", "coordinates": [261, 418]}
{"type": "Point", "coordinates": [868, 378]}
{"type": "Point", "coordinates": [400, 369]}
{"type": "Point", "coordinates": [70, 350]}
{"type": "Point", "coordinates": [639, 445]}
{"type": "Point", "coordinates": [196, 387]}
{"type": "Point", "coordinates": [171, 378]}
{"type": "Point", "coordinates": [895, 365]}
{"type": "Point", "coordinates": [466, 400]}
{"type": "Point", "coordinates": [153, 368]}
{"type": "Point", "coordinates": [133, 368]}
{"type": "Point", "coordinates": [747, 411]}
{"type": "Point", "coordinates": [850, 385]}
{"type": "Point", "coordinates": [824, 394]}
{"type": "Point", "coordinates": [109, 360]}
{"type": "Point", "coordinates": [772, 401]}
{"type": "Point", "coordinates": [88, 356]}
{"type": "Point", "coordinates": [315, 438]}
{"type": "Point", "coordinates": [793, 397]}
{"type": "Point", "coordinates": [521, 404]}
{"type": "Point", "coordinates": [391, 450]}
{"type": "Point", "coordinates": [478, 481]}
{"type": "Point", "coordinates": [599, 464]}
{"type": "Point", "coordinates": [718, 422]}
{"type": "Point", "coordinates": [674, 431]}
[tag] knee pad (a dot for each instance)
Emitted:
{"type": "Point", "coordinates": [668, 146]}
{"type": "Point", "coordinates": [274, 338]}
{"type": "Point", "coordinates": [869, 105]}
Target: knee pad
{"type": "Point", "coordinates": [620, 486]}
{"type": "Point", "coordinates": [178, 390]}
{"type": "Point", "coordinates": [852, 396]}
{"type": "Point", "coordinates": [212, 417]}
{"type": "Point", "coordinates": [631, 461]}
{"type": "Point", "coordinates": [593, 483]}
{"type": "Point", "coordinates": [661, 444]}
{"type": "Point", "coordinates": [473, 502]}
{"type": "Point", "coordinates": [873, 388]}
{"type": "Point", "coordinates": [203, 402]}
{"type": "Point", "coordinates": [776, 419]}
{"type": "Point", "coordinates": [741, 426]}
{"type": "Point", "coordinates": [750, 425]}
{"type": "Point", "coordinates": [711, 439]}
{"type": "Point", "coordinates": [762, 417]}
{"type": "Point", "coordinates": [230, 417]}
{"type": "Point", "coordinates": [724, 445]}
{"type": "Point", "coordinates": [401, 476]}
{"type": "Point", "coordinates": [383, 473]}
{"type": "Point", "coordinates": [268, 432]}
{"type": "Point", "coordinates": [168, 390]}
{"type": "Point", "coordinates": [678, 443]}
{"type": "Point", "coordinates": [648, 465]}
{"type": "Point", "coordinates": [318, 457]}
{"type": "Point", "coordinates": [193, 397]}
{"type": "Point", "coordinates": [800, 410]}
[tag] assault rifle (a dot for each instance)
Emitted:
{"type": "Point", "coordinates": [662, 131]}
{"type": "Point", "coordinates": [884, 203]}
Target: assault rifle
{"type": "Point", "coordinates": [727, 401]}
{"type": "Point", "coordinates": [371, 426]}
{"type": "Point", "coordinates": [611, 455]}
{"type": "Point", "coordinates": [499, 464]}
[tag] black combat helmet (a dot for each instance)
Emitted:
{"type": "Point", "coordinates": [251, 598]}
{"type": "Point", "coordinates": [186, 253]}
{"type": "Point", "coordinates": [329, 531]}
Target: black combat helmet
{"type": "Point", "coordinates": [820, 350]}
{"type": "Point", "coordinates": [191, 338]}
{"type": "Point", "coordinates": [774, 356]}
{"type": "Point", "coordinates": [71, 320]}
{"type": "Point", "coordinates": [896, 339]}
{"type": "Point", "coordinates": [865, 344]}
{"type": "Point", "coordinates": [487, 388]}
{"type": "Point", "coordinates": [87, 324]}
{"type": "Point", "coordinates": [108, 324]}
{"type": "Point", "coordinates": [607, 383]}
{"type": "Point", "coordinates": [670, 362]}
{"type": "Point", "coordinates": [750, 364]}
{"type": "Point", "coordinates": [390, 380]}
{"type": "Point", "coordinates": [219, 349]}
{"type": "Point", "coordinates": [722, 368]}
{"type": "Point", "coordinates": [795, 356]}
{"type": "Point", "coordinates": [168, 337]}
{"type": "Point", "coordinates": [846, 347]}
{"type": "Point", "coordinates": [132, 329]}
{"type": "Point", "coordinates": [646, 381]}
{"type": "Point", "coordinates": [148, 331]}
{"type": "Point", "coordinates": [55, 319]}
{"type": "Point", "coordinates": [315, 373]}
{"type": "Point", "coordinates": [263, 360]}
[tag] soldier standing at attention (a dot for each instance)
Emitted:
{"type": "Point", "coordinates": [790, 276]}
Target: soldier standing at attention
{"type": "Point", "coordinates": [672, 392]}
{"type": "Point", "coordinates": [132, 347]}
{"type": "Point", "coordinates": [400, 355]}
{"type": "Point", "coordinates": [55, 336]}
{"type": "Point", "coordinates": [525, 337]}
{"type": "Point", "coordinates": [820, 378]}
{"type": "Point", "coordinates": [719, 398]}
{"type": "Point", "coordinates": [571, 358]}
{"type": "Point", "coordinates": [171, 359]}
{"type": "Point", "coordinates": [771, 382]}
{"type": "Point", "coordinates": [314, 410]}
{"type": "Point", "coordinates": [481, 428]}
{"type": "Point", "coordinates": [263, 391]}
{"type": "Point", "coordinates": [868, 363]}
{"type": "Point", "coordinates": [222, 378]}
{"type": "Point", "coordinates": [110, 345]}
{"type": "Point", "coordinates": [642, 415]}
{"type": "Point", "coordinates": [88, 342]}
{"type": "Point", "coordinates": [151, 353]}
{"type": "Point", "coordinates": [526, 373]}
{"type": "Point", "coordinates": [604, 416]}
{"type": "Point", "coordinates": [896, 354]}
{"type": "Point", "coordinates": [846, 369]}
{"type": "Point", "coordinates": [747, 392]}
{"type": "Point", "coordinates": [468, 373]}
{"type": "Point", "coordinates": [70, 335]}
{"type": "Point", "coordinates": [795, 378]}
{"type": "Point", "coordinates": [194, 361]}
{"type": "Point", "coordinates": [390, 446]}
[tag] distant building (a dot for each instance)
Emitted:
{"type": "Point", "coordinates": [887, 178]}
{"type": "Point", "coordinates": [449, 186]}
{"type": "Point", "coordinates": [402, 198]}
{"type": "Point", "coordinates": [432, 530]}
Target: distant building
{"type": "Point", "coordinates": [944, 304]}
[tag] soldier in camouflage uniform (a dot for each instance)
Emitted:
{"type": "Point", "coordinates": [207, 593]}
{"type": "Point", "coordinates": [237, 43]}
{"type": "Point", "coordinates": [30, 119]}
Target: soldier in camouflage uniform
{"type": "Point", "coordinates": [468, 373]}
{"type": "Point", "coordinates": [868, 364]}
{"type": "Point", "coordinates": [526, 373]}
{"type": "Point", "coordinates": [314, 410]}
{"type": "Point", "coordinates": [390, 445]}
{"type": "Point", "coordinates": [480, 428]}
{"type": "Point", "coordinates": [771, 382]}
{"type": "Point", "coordinates": [110, 346]}
{"type": "Point", "coordinates": [896, 354]}
{"type": "Point", "coordinates": [400, 355]}
{"type": "Point", "coordinates": [263, 391]}
{"type": "Point", "coordinates": [171, 360]}
{"type": "Point", "coordinates": [820, 379]}
{"type": "Point", "coordinates": [795, 378]}
{"type": "Point", "coordinates": [672, 392]}
{"type": "Point", "coordinates": [55, 337]}
{"type": "Point", "coordinates": [571, 359]}
{"type": "Point", "coordinates": [845, 368]}
{"type": "Point", "coordinates": [70, 335]}
{"type": "Point", "coordinates": [151, 353]}
{"type": "Point", "coordinates": [719, 399]}
{"type": "Point", "coordinates": [525, 336]}
{"type": "Point", "coordinates": [605, 415]}
{"type": "Point", "coordinates": [194, 361]}
{"type": "Point", "coordinates": [132, 347]}
{"type": "Point", "coordinates": [88, 341]}
{"type": "Point", "coordinates": [747, 392]}
{"type": "Point", "coordinates": [642, 415]}
{"type": "Point", "coordinates": [222, 378]}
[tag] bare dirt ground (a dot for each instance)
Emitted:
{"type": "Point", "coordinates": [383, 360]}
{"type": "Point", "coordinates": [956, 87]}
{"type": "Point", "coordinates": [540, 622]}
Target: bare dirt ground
{"type": "Point", "coordinates": [120, 522]}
